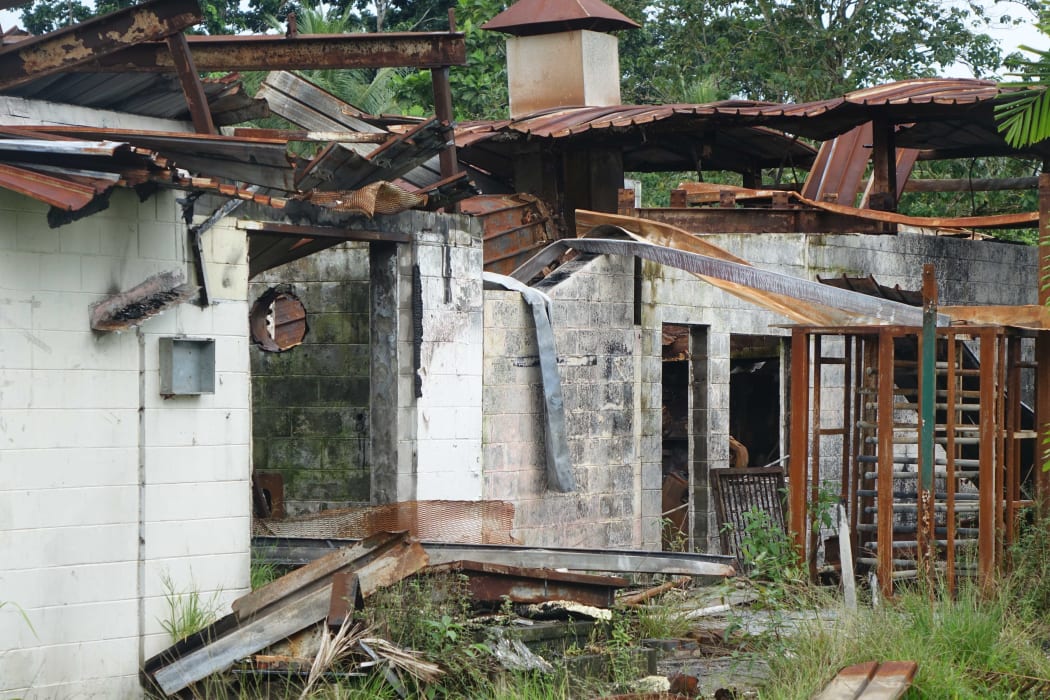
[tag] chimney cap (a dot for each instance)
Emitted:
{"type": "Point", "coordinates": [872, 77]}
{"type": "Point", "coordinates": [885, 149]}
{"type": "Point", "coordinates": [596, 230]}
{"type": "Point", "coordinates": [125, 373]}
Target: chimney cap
{"type": "Point", "coordinates": [529, 17]}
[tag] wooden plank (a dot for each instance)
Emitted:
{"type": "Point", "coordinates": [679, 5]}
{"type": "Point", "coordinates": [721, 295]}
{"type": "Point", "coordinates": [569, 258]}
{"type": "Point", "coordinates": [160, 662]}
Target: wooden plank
{"type": "Point", "coordinates": [891, 681]}
{"type": "Point", "coordinates": [849, 683]}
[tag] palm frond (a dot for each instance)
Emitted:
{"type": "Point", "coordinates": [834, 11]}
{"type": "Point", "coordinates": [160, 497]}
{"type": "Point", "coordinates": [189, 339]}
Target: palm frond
{"type": "Point", "coordinates": [1023, 117]}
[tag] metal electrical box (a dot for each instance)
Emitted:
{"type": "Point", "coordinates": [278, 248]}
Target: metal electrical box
{"type": "Point", "coordinates": [187, 366]}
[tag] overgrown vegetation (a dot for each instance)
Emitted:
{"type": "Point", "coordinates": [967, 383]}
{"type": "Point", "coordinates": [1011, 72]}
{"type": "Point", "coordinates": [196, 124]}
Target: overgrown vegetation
{"type": "Point", "coordinates": [977, 644]}
{"type": "Point", "coordinates": [188, 612]}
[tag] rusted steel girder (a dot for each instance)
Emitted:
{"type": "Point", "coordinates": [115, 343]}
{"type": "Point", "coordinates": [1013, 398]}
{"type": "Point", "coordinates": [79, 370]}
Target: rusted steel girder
{"type": "Point", "coordinates": [75, 46]}
{"type": "Point", "coordinates": [301, 52]}
{"type": "Point", "coordinates": [190, 80]}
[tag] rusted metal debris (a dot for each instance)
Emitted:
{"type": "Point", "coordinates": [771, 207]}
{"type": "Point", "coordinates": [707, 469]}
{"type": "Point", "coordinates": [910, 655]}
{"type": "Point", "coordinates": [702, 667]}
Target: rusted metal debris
{"type": "Point", "coordinates": [277, 320]}
{"type": "Point", "coordinates": [145, 300]}
{"type": "Point", "coordinates": [488, 522]}
{"type": "Point", "coordinates": [980, 421]}
{"type": "Point", "coordinates": [740, 491]}
{"type": "Point", "coordinates": [514, 227]}
{"type": "Point", "coordinates": [886, 681]}
{"type": "Point", "coordinates": [491, 583]}
{"type": "Point", "coordinates": [286, 606]}
{"type": "Point", "coordinates": [89, 41]}
{"type": "Point", "coordinates": [298, 550]}
{"type": "Point", "coordinates": [302, 52]}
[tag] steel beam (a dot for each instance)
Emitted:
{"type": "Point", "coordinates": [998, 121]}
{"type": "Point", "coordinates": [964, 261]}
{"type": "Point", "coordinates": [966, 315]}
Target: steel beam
{"type": "Point", "coordinates": [190, 80]}
{"type": "Point", "coordinates": [301, 52]}
{"type": "Point", "coordinates": [297, 551]}
{"type": "Point", "coordinates": [82, 46]}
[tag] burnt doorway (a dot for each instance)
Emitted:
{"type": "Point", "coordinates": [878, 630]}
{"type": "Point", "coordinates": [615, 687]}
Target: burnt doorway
{"type": "Point", "coordinates": [684, 502]}
{"type": "Point", "coordinates": [755, 400]}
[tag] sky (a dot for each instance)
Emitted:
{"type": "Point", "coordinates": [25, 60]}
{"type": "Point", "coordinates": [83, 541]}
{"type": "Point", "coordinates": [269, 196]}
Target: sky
{"type": "Point", "coordinates": [1009, 37]}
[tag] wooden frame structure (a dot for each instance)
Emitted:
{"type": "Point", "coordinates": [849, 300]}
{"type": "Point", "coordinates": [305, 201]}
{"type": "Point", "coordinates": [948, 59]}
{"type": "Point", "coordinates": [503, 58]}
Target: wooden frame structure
{"type": "Point", "coordinates": [855, 392]}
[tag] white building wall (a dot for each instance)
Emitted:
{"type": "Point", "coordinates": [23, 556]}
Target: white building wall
{"type": "Point", "coordinates": [106, 487]}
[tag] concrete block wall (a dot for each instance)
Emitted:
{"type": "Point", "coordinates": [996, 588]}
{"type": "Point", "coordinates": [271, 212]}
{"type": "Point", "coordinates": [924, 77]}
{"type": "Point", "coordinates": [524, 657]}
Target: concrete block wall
{"type": "Point", "coordinates": [106, 487]}
{"type": "Point", "coordinates": [310, 404]}
{"type": "Point", "coordinates": [445, 435]}
{"type": "Point", "coordinates": [426, 341]}
{"type": "Point", "coordinates": [597, 346]}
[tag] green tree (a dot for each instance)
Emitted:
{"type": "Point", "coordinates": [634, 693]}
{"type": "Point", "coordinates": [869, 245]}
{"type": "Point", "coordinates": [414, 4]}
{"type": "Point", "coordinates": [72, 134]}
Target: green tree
{"type": "Point", "coordinates": [479, 89]}
{"type": "Point", "coordinates": [220, 16]}
{"type": "Point", "coordinates": [804, 50]}
{"type": "Point", "coordinates": [373, 91]}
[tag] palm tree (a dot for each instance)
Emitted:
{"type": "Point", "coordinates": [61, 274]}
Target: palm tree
{"type": "Point", "coordinates": [1023, 115]}
{"type": "Point", "coordinates": [371, 91]}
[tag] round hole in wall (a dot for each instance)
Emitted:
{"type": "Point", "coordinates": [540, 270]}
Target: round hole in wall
{"type": "Point", "coordinates": [278, 319]}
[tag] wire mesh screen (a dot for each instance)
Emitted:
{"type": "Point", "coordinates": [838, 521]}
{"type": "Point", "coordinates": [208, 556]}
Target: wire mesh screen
{"type": "Point", "coordinates": [739, 490]}
{"type": "Point", "coordinates": [461, 522]}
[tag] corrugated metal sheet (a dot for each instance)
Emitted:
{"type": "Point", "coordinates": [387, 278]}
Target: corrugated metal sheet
{"type": "Point", "coordinates": [939, 113]}
{"type": "Point", "coordinates": [652, 139]}
{"type": "Point", "coordinates": [146, 94]}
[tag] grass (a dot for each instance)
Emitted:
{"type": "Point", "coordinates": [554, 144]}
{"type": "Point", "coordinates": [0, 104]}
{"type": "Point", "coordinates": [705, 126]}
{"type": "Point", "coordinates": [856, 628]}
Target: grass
{"type": "Point", "coordinates": [970, 646]}
{"type": "Point", "coordinates": [188, 611]}
{"type": "Point", "coordinates": [958, 645]}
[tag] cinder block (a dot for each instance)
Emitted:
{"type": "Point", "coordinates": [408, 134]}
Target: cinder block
{"type": "Point", "coordinates": [34, 235]}
{"type": "Point", "coordinates": [228, 573]}
{"type": "Point", "coordinates": [71, 669]}
{"type": "Point", "coordinates": [82, 237]}
{"type": "Point", "coordinates": [189, 537]}
{"type": "Point", "coordinates": [87, 428]}
{"type": "Point", "coordinates": [157, 240]}
{"type": "Point", "coordinates": [51, 545]}
{"type": "Point", "coordinates": [193, 464]}
{"type": "Point", "coordinates": [184, 502]}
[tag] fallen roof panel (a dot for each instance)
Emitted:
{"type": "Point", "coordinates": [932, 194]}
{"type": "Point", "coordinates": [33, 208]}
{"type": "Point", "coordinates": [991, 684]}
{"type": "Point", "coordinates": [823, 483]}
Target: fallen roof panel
{"type": "Point", "coordinates": [296, 550]}
{"type": "Point", "coordinates": [146, 94]}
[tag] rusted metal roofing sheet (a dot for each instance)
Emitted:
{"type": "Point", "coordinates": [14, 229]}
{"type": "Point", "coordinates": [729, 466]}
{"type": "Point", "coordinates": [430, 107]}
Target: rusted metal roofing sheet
{"type": "Point", "coordinates": [653, 138]}
{"type": "Point", "coordinates": [147, 94]}
{"type": "Point", "coordinates": [514, 227]}
{"type": "Point", "coordinates": [264, 162]}
{"type": "Point", "coordinates": [491, 583]}
{"type": "Point", "coordinates": [527, 17]}
{"type": "Point", "coordinates": [936, 112]}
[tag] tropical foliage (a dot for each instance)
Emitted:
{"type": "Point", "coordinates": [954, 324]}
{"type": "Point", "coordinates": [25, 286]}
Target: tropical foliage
{"type": "Point", "coordinates": [1024, 116]}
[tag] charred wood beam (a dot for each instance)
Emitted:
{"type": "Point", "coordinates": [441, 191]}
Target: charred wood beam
{"type": "Point", "coordinates": [82, 46]}
{"type": "Point", "coordinates": [301, 52]}
{"type": "Point", "coordinates": [151, 297]}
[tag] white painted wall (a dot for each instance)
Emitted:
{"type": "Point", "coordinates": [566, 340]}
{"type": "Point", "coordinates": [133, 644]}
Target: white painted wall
{"type": "Point", "coordinates": [97, 506]}
{"type": "Point", "coordinates": [442, 438]}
